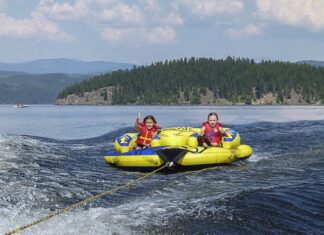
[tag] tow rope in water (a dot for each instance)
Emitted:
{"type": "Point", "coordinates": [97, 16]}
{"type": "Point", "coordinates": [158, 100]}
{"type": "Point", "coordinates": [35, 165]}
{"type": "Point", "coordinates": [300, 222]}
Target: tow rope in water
{"type": "Point", "coordinates": [87, 200]}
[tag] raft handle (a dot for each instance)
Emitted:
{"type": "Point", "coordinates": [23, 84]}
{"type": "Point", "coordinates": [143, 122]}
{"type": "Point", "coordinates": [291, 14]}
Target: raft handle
{"type": "Point", "coordinates": [169, 164]}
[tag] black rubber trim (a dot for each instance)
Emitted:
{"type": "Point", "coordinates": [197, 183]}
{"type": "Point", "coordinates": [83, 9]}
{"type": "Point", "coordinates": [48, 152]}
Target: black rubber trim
{"type": "Point", "coordinates": [171, 155]}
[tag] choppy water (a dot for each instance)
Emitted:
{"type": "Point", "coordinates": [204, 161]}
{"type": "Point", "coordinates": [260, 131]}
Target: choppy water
{"type": "Point", "coordinates": [51, 157]}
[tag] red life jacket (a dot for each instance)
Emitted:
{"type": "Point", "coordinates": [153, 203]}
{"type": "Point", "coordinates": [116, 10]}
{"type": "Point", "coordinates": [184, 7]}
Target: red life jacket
{"type": "Point", "coordinates": [212, 133]}
{"type": "Point", "coordinates": [146, 135]}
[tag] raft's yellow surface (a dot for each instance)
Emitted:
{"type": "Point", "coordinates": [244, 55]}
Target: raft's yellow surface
{"type": "Point", "coordinates": [208, 156]}
{"type": "Point", "coordinates": [135, 160]}
{"type": "Point", "coordinates": [194, 157]}
{"type": "Point", "coordinates": [179, 139]}
{"type": "Point", "coordinates": [243, 151]}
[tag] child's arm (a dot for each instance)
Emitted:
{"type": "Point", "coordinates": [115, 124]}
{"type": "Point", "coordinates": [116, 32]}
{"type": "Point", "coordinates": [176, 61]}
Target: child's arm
{"type": "Point", "coordinates": [158, 130]}
{"type": "Point", "coordinates": [225, 133]}
{"type": "Point", "coordinates": [202, 131]}
{"type": "Point", "coordinates": [137, 126]}
{"type": "Point", "coordinates": [154, 134]}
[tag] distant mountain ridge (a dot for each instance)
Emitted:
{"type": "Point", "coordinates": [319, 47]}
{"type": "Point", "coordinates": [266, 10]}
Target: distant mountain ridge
{"type": "Point", "coordinates": [317, 63]}
{"type": "Point", "coordinates": [65, 66]}
{"type": "Point", "coordinates": [39, 81]}
{"type": "Point", "coordinates": [19, 87]}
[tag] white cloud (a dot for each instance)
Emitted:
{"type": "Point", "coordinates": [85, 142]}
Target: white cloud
{"type": "Point", "coordinates": [157, 35]}
{"type": "Point", "coordinates": [147, 21]}
{"type": "Point", "coordinates": [206, 8]}
{"type": "Point", "coordinates": [123, 12]}
{"type": "Point", "coordinates": [161, 15]}
{"type": "Point", "coordinates": [306, 13]}
{"type": "Point", "coordinates": [103, 3]}
{"type": "Point", "coordinates": [172, 19]}
{"type": "Point", "coordinates": [35, 27]}
{"type": "Point", "coordinates": [63, 11]}
{"type": "Point", "coordinates": [161, 35]}
{"type": "Point", "coordinates": [151, 6]}
{"type": "Point", "coordinates": [249, 30]}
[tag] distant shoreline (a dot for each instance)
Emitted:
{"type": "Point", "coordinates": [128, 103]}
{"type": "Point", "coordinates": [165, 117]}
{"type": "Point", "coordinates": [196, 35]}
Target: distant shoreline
{"type": "Point", "coordinates": [184, 105]}
{"type": "Point", "coordinates": [204, 105]}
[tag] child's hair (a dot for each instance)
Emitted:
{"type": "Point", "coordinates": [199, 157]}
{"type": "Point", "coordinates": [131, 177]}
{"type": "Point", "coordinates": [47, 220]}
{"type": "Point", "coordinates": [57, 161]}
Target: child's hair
{"type": "Point", "coordinates": [213, 114]}
{"type": "Point", "coordinates": [149, 117]}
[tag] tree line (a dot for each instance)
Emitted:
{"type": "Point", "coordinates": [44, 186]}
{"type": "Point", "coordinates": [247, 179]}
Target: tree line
{"type": "Point", "coordinates": [239, 80]}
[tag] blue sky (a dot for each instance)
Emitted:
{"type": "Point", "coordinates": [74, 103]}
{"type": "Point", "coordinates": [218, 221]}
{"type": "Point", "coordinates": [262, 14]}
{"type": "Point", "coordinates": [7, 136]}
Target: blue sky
{"type": "Point", "coordinates": [144, 31]}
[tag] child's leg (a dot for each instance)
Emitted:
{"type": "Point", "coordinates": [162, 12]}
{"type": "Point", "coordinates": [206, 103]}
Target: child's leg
{"type": "Point", "coordinates": [200, 140]}
{"type": "Point", "coordinates": [137, 146]}
{"type": "Point", "coordinates": [206, 140]}
{"type": "Point", "coordinates": [203, 141]}
{"type": "Point", "coordinates": [216, 144]}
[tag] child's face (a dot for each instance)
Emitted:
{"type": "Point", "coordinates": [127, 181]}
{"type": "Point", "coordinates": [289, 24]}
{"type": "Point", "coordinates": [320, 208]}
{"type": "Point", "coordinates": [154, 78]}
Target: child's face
{"type": "Point", "coordinates": [212, 120]}
{"type": "Point", "coordinates": [149, 123]}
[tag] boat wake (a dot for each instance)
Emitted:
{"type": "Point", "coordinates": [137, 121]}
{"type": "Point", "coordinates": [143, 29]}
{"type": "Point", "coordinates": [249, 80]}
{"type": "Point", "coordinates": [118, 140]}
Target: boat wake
{"type": "Point", "coordinates": [278, 190]}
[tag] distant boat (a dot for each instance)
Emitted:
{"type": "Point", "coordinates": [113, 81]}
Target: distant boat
{"type": "Point", "coordinates": [21, 106]}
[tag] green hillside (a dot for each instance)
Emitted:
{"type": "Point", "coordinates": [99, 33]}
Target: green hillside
{"type": "Point", "coordinates": [18, 87]}
{"type": "Point", "coordinates": [187, 81]}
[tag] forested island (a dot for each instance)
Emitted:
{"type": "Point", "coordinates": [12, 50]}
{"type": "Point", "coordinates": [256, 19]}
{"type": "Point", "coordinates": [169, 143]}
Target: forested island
{"type": "Point", "coordinates": [203, 81]}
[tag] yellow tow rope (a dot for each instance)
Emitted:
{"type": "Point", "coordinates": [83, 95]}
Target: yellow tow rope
{"type": "Point", "coordinates": [79, 204]}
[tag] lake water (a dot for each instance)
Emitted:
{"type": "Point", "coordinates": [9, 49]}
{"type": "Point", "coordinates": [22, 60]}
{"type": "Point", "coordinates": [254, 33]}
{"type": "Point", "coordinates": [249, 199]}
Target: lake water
{"type": "Point", "coordinates": [52, 157]}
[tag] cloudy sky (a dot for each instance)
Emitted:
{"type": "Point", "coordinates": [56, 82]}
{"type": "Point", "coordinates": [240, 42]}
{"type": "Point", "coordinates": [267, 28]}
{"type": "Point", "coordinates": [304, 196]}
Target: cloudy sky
{"type": "Point", "coordinates": [144, 31]}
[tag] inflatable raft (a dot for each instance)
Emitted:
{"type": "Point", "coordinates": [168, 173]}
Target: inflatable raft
{"type": "Point", "coordinates": [178, 145]}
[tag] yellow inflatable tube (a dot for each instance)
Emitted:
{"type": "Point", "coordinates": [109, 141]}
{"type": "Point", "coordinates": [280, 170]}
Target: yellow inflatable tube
{"type": "Point", "coordinates": [178, 145]}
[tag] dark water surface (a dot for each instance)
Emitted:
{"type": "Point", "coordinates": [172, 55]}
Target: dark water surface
{"type": "Point", "coordinates": [51, 157]}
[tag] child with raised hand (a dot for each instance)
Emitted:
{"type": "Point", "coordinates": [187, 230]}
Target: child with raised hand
{"type": "Point", "coordinates": [148, 129]}
{"type": "Point", "coordinates": [211, 132]}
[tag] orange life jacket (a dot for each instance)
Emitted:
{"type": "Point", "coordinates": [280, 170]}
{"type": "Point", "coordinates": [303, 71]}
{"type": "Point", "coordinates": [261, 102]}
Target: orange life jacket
{"type": "Point", "coordinates": [146, 135]}
{"type": "Point", "coordinates": [212, 133]}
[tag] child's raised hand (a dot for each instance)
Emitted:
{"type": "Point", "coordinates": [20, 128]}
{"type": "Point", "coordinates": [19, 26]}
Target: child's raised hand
{"type": "Point", "coordinates": [138, 116]}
